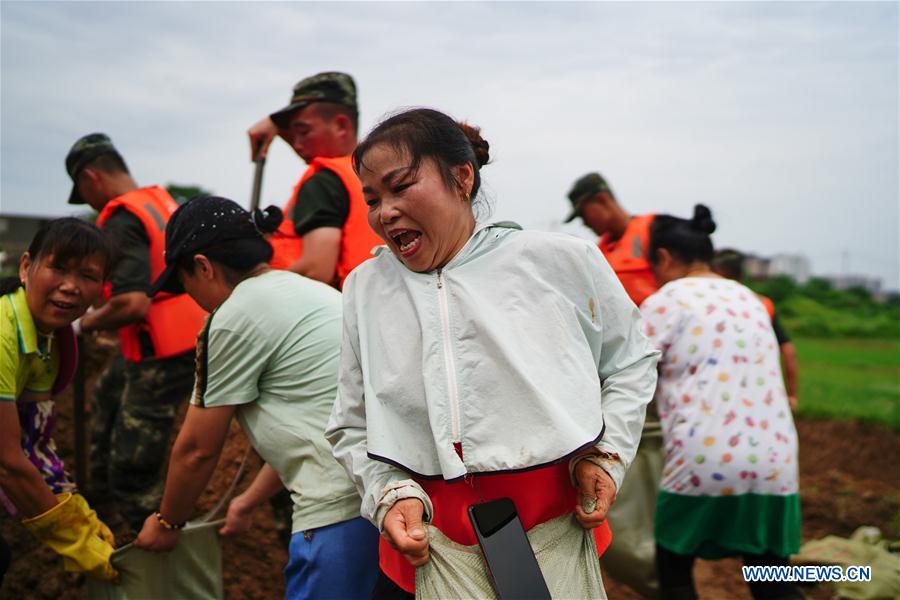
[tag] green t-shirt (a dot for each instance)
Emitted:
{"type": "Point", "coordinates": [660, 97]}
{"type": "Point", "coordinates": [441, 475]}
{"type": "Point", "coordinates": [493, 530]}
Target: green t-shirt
{"type": "Point", "coordinates": [131, 272]}
{"type": "Point", "coordinates": [322, 201]}
{"type": "Point", "coordinates": [29, 361]}
{"type": "Point", "coordinates": [273, 348]}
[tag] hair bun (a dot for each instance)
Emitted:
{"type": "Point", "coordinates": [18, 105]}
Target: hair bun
{"type": "Point", "coordinates": [267, 220]}
{"type": "Point", "coordinates": [479, 144]}
{"type": "Point", "coordinates": [702, 220]}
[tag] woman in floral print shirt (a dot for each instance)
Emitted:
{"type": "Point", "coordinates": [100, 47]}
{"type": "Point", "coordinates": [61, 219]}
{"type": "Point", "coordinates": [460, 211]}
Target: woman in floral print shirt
{"type": "Point", "coordinates": [729, 484]}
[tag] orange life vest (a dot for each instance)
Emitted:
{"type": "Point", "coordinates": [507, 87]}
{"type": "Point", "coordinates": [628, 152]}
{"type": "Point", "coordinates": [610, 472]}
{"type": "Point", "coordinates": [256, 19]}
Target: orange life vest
{"type": "Point", "coordinates": [287, 246]}
{"type": "Point", "coordinates": [770, 306]}
{"type": "Point", "coordinates": [629, 258]}
{"type": "Point", "coordinates": [173, 321]}
{"type": "Point", "coordinates": [357, 238]}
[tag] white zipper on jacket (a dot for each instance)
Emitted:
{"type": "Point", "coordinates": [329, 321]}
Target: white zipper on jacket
{"type": "Point", "coordinates": [452, 389]}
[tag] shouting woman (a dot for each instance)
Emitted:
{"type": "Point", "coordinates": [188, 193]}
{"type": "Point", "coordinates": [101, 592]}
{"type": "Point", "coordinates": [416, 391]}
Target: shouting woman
{"type": "Point", "coordinates": [479, 361]}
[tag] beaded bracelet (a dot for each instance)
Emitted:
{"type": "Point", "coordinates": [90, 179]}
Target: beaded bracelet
{"type": "Point", "coordinates": [166, 524]}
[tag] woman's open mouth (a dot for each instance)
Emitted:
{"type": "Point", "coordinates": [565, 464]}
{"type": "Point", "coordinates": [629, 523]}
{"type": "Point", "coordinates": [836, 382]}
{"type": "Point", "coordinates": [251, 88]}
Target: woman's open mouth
{"type": "Point", "coordinates": [408, 241]}
{"type": "Point", "coordinates": [64, 306]}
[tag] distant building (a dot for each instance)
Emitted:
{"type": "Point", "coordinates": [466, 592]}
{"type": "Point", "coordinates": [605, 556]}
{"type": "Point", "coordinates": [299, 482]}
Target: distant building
{"type": "Point", "coordinates": [756, 267]}
{"type": "Point", "coordinates": [795, 266]}
{"type": "Point", "coordinates": [798, 268]}
{"type": "Point", "coordinates": [866, 282]}
{"type": "Point", "coordinates": [16, 232]}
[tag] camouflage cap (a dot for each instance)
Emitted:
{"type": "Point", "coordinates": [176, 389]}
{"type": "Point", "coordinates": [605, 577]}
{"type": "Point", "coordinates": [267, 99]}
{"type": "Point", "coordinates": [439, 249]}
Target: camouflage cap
{"type": "Point", "coordinates": [82, 153]}
{"type": "Point", "coordinates": [586, 187]}
{"type": "Point", "coordinates": [330, 86]}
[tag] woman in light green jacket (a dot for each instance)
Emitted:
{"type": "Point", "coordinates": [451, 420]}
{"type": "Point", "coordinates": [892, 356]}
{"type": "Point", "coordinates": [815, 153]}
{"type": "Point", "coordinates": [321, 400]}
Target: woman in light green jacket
{"type": "Point", "coordinates": [477, 348]}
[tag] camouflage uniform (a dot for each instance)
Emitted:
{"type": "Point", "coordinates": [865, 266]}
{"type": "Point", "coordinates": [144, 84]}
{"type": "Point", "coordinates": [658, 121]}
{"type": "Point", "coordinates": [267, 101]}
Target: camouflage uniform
{"type": "Point", "coordinates": [131, 430]}
{"type": "Point", "coordinates": [104, 407]}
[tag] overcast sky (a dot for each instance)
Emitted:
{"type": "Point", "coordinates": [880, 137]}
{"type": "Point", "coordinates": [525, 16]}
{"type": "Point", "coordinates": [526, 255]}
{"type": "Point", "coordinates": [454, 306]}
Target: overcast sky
{"type": "Point", "coordinates": [782, 117]}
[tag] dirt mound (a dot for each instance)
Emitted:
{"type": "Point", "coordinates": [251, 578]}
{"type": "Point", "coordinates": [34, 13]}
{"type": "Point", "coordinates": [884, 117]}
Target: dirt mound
{"type": "Point", "coordinates": [848, 478]}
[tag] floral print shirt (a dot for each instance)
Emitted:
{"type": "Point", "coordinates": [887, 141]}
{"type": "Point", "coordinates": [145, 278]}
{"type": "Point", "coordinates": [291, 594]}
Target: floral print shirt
{"type": "Point", "coordinates": [726, 421]}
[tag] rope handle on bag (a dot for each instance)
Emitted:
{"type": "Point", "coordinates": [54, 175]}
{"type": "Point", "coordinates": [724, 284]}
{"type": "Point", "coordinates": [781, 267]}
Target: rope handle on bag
{"type": "Point", "coordinates": [226, 497]}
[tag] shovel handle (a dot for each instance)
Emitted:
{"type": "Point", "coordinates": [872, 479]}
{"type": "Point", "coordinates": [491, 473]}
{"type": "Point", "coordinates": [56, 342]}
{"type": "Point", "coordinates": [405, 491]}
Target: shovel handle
{"type": "Point", "coordinates": [260, 162]}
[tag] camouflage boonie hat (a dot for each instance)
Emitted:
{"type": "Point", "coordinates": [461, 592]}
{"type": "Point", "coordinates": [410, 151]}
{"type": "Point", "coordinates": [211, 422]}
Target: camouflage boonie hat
{"type": "Point", "coordinates": [82, 153]}
{"type": "Point", "coordinates": [583, 189]}
{"type": "Point", "coordinates": [330, 86]}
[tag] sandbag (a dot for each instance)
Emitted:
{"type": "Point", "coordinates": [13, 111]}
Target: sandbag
{"type": "Point", "coordinates": [192, 570]}
{"type": "Point", "coordinates": [865, 547]}
{"type": "Point", "coordinates": [565, 552]}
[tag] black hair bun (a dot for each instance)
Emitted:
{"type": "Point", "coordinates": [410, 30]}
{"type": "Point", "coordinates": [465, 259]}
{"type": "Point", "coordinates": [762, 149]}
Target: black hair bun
{"type": "Point", "coordinates": [480, 145]}
{"type": "Point", "coordinates": [267, 220]}
{"type": "Point", "coordinates": [702, 220]}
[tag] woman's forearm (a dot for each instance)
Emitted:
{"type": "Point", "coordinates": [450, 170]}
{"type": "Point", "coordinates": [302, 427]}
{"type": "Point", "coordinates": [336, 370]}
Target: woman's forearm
{"type": "Point", "coordinates": [25, 487]}
{"type": "Point", "coordinates": [266, 485]}
{"type": "Point", "coordinates": [625, 396]}
{"type": "Point", "coordinates": [194, 458]}
{"type": "Point", "coordinates": [190, 469]}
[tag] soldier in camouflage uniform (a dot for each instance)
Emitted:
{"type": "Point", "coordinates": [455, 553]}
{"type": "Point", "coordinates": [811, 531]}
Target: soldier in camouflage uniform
{"type": "Point", "coordinates": [135, 403]}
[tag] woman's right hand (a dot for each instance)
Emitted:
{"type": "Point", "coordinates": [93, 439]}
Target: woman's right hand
{"type": "Point", "coordinates": [597, 492]}
{"type": "Point", "coordinates": [405, 531]}
{"type": "Point", "coordinates": [238, 519]}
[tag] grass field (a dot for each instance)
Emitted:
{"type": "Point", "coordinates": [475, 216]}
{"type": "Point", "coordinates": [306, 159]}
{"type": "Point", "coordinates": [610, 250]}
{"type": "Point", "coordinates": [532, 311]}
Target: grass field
{"type": "Point", "coordinates": [850, 379]}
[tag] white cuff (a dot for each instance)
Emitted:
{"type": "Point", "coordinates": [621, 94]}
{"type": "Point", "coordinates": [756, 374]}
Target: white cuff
{"type": "Point", "coordinates": [608, 461]}
{"type": "Point", "coordinates": [614, 468]}
{"type": "Point", "coordinates": [401, 490]}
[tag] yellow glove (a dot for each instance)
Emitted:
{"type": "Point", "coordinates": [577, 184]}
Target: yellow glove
{"type": "Point", "coordinates": [103, 530]}
{"type": "Point", "coordinates": [72, 530]}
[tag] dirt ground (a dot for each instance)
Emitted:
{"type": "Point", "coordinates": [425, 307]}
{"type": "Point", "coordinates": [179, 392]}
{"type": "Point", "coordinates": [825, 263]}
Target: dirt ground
{"type": "Point", "coordinates": [849, 476]}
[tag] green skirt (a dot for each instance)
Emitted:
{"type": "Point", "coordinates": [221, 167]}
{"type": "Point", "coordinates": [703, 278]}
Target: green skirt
{"type": "Point", "coordinates": [722, 526]}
